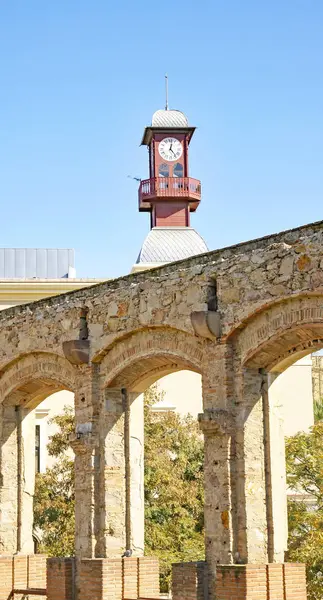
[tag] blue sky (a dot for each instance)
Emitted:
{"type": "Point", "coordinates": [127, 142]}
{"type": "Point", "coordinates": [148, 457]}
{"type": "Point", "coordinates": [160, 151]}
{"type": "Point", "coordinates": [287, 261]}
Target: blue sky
{"type": "Point", "coordinates": [80, 80]}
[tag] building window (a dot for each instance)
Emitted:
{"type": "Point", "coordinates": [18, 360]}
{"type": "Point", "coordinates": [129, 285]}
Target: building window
{"type": "Point", "coordinates": [37, 448]}
{"type": "Point", "coordinates": [163, 170]}
{"type": "Point", "coordinates": [178, 170]}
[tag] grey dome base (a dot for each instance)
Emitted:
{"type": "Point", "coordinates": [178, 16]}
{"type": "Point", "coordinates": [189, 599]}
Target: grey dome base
{"type": "Point", "coordinates": [168, 244]}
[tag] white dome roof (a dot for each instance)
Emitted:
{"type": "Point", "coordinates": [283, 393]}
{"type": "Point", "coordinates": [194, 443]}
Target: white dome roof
{"type": "Point", "coordinates": [168, 244]}
{"type": "Point", "coordinates": [169, 118]}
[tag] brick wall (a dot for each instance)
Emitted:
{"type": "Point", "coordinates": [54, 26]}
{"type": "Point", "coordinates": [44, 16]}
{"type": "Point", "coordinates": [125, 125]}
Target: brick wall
{"type": "Point", "coordinates": [148, 577]}
{"type": "Point", "coordinates": [295, 581]}
{"type": "Point", "coordinates": [60, 578]}
{"type": "Point", "coordinates": [22, 572]}
{"type": "Point", "coordinates": [118, 579]}
{"type": "Point", "coordinates": [37, 576]}
{"type": "Point", "coordinates": [188, 581]}
{"type": "Point", "coordinates": [130, 578]}
{"type": "Point", "coordinates": [6, 577]}
{"type": "Point", "coordinates": [101, 579]}
{"type": "Point", "coordinates": [98, 578]}
{"type": "Point", "coordinates": [241, 582]}
{"type": "Point", "coordinates": [275, 582]}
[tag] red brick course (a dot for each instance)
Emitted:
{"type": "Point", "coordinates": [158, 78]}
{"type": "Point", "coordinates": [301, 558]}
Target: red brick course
{"type": "Point", "coordinates": [118, 579]}
{"type": "Point", "coordinates": [97, 579]}
{"type": "Point", "coordinates": [148, 577]}
{"type": "Point", "coordinates": [295, 581]}
{"type": "Point", "coordinates": [22, 572]}
{"type": "Point", "coordinates": [60, 578]}
{"type": "Point", "coordinates": [6, 577]}
{"type": "Point", "coordinates": [241, 582]}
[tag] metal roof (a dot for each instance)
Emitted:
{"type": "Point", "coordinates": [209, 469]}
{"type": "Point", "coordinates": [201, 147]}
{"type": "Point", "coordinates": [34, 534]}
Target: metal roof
{"type": "Point", "coordinates": [172, 120]}
{"type": "Point", "coordinates": [30, 263]}
{"type": "Point", "coordinates": [168, 244]}
{"type": "Point", "coordinates": [169, 118]}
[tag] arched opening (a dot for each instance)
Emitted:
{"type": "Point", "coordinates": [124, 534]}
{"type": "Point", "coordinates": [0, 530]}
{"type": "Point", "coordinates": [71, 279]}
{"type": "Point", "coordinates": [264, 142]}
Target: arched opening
{"type": "Point", "coordinates": [163, 170]}
{"type": "Point", "coordinates": [124, 445]}
{"type": "Point", "coordinates": [178, 170]}
{"type": "Point", "coordinates": [280, 348]}
{"type": "Point", "coordinates": [34, 390]}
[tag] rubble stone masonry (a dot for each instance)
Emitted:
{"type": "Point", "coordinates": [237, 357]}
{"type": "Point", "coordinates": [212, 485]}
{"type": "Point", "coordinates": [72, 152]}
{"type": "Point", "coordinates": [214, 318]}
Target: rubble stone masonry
{"type": "Point", "coordinates": [232, 315]}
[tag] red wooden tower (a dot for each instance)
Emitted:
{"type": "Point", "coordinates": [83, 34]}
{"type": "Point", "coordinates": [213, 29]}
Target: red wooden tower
{"type": "Point", "coordinates": [169, 194]}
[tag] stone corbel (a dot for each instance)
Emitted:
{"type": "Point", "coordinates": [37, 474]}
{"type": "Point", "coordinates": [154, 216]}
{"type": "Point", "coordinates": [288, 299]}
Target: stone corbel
{"type": "Point", "coordinates": [216, 421]}
{"type": "Point", "coordinates": [81, 443]}
{"type": "Point", "coordinates": [77, 352]}
{"type": "Point", "coordinates": [206, 323]}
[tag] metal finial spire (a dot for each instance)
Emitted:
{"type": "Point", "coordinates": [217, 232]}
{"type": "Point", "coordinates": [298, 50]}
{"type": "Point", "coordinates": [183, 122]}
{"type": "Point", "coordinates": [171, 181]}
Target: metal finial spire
{"type": "Point", "coordinates": [166, 89]}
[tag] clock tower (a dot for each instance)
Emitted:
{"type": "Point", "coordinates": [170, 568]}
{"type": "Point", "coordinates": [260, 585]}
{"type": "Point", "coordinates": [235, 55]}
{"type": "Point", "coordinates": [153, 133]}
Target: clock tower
{"type": "Point", "coordinates": [170, 195]}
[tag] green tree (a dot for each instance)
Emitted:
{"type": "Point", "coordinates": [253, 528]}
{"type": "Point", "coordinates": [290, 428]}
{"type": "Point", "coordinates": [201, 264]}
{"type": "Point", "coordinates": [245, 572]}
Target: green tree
{"type": "Point", "coordinates": [173, 489]}
{"type": "Point", "coordinates": [174, 494]}
{"type": "Point", "coordinates": [304, 467]}
{"type": "Point", "coordinates": [54, 493]}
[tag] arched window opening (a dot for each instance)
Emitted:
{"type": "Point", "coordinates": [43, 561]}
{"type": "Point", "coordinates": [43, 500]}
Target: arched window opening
{"type": "Point", "coordinates": [178, 170]}
{"type": "Point", "coordinates": [163, 170]}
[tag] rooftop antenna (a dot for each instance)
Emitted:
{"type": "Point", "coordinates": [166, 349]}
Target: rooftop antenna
{"type": "Point", "coordinates": [166, 89]}
{"type": "Point", "coordinates": [135, 178]}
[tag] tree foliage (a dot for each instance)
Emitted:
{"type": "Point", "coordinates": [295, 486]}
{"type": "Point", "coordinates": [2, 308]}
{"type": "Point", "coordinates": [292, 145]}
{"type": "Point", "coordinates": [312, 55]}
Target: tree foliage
{"type": "Point", "coordinates": [54, 497]}
{"type": "Point", "coordinates": [173, 489]}
{"type": "Point", "coordinates": [304, 467]}
{"type": "Point", "coordinates": [174, 494]}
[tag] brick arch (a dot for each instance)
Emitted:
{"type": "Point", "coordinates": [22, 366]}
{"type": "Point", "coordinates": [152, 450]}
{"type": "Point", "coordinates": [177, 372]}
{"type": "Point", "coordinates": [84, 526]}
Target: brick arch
{"type": "Point", "coordinates": [282, 333]}
{"type": "Point", "coordinates": [32, 377]}
{"type": "Point", "coordinates": [146, 356]}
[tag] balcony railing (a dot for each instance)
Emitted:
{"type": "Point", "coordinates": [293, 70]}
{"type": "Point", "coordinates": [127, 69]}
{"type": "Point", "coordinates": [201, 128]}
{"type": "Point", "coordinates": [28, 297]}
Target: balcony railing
{"type": "Point", "coordinates": [169, 187]}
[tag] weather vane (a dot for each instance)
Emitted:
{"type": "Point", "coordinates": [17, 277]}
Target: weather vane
{"type": "Point", "coordinates": [166, 89]}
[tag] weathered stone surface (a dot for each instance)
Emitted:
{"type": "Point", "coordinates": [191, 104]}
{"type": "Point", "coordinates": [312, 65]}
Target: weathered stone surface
{"type": "Point", "coordinates": [268, 295]}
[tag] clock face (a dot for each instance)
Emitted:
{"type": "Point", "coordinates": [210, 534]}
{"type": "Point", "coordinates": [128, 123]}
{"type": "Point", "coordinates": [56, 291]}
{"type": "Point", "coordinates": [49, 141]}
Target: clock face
{"type": "Point", "coordinates": [170, 149]}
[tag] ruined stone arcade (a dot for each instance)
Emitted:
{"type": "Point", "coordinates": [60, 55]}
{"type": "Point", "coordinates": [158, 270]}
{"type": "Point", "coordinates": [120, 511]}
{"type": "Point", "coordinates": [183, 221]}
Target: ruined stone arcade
{"type": "Point", "coordinates": [232, 315]}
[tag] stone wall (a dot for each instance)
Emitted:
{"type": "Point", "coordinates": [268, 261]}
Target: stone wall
{"type": "Point", "coordinates": [231, 315]}
{"type": "Point", "coordinates": [248, 276]}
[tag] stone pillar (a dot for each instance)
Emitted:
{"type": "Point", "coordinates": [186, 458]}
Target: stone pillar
{"type": "Point", "coordinates": [84, 442]}
{"type": "Point", "coordinates": [217, 425]}
{"type": "Point", "coordinates": [83, 448]}
{"type": "Point", "coordinates": [8, 480]}
{"type": "Point", "coordinates": [250, 478]}
{"type": "Point", "coordinates": [17, 479]}
{"type": "Point", "coordinates": [137, 500]}
{"type": "Point", "coordinates": [111, 517]}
